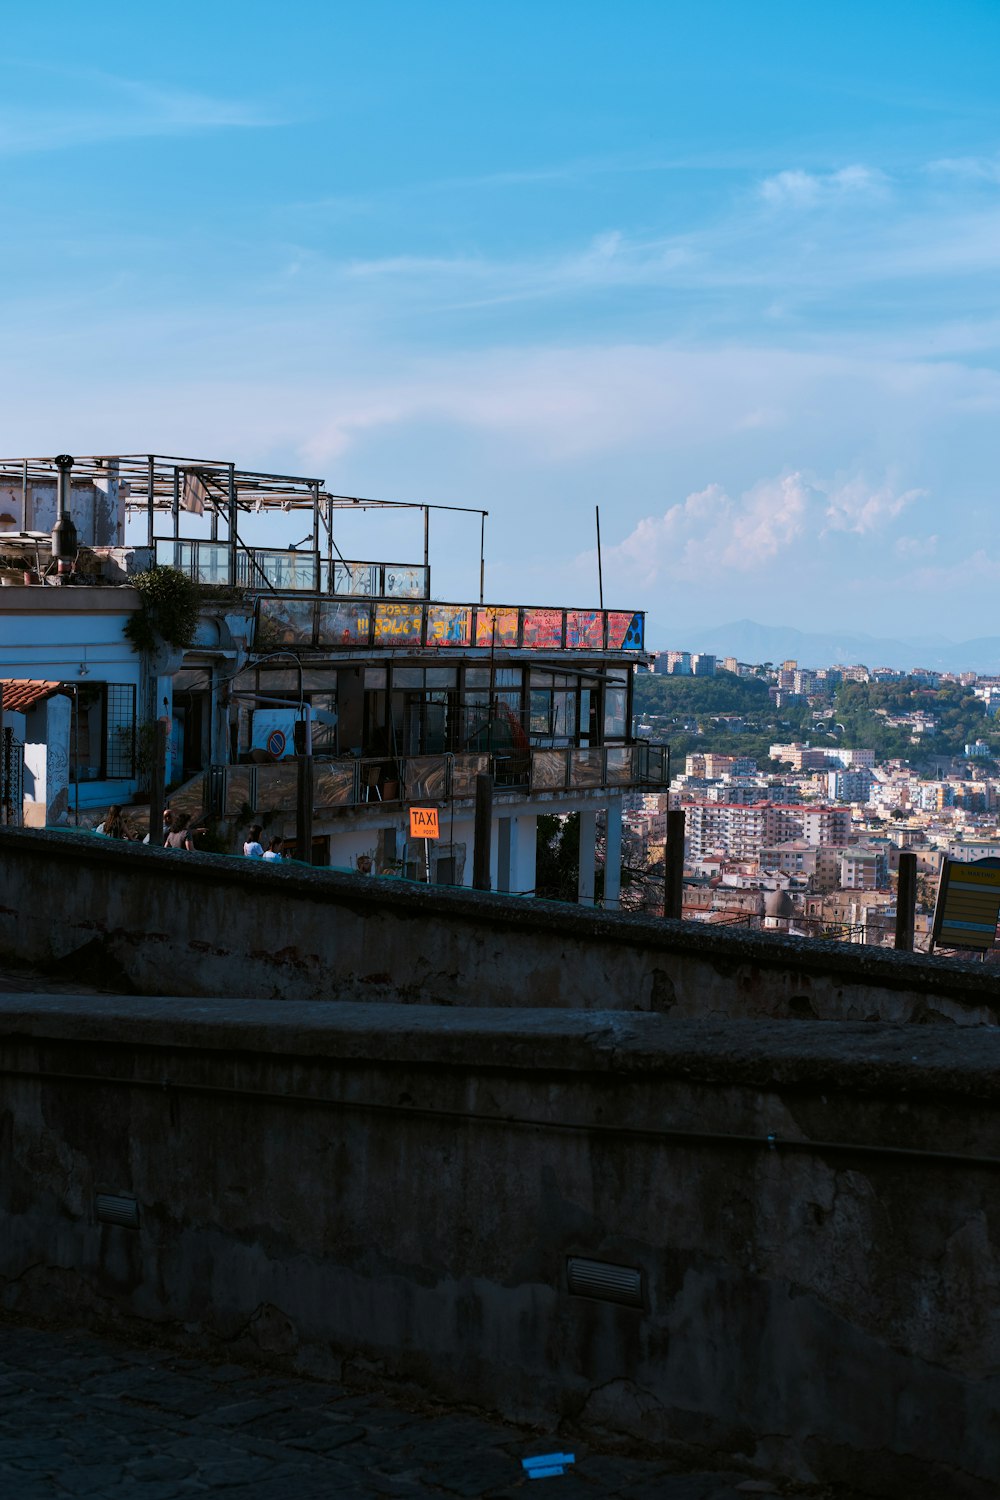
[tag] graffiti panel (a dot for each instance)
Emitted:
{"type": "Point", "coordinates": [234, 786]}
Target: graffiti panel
{"type": "Point", "coordinates": [585, 629]}
{"type": "Point", "coordinates": [402, 582]}
{"type": "Point", "coordinates": [449, 625]}
{"type": "Point", "coordinates": [496, 627]}
{"type": "Point", "coordinates": [625, 631]}
{"type": "Point", "coordinates": [542, 629]}
{"type": "Point", "coordinates": [283, 622]}
{"type": "Point", "coordinates": [344, 624]}
{"type": "Point", "coordinates": [398, 624]}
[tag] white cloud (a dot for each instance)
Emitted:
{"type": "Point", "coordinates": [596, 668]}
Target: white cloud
{"type": "Point", "coordinates": [855, 506]}
{"type": "Point", "coordinates": [981, 168]}
{"type": "Point", "coordinates": [796, 188]}
{"type": "Point", "coordinates": [912, 547]}
{"type": "Point", "coordinates": [710, 533]}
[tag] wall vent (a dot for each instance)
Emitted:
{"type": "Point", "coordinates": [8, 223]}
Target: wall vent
{"type": "Point", "coordinates": [605, 1282]}
{"type": "Point", "coordinates": [114, 1208]}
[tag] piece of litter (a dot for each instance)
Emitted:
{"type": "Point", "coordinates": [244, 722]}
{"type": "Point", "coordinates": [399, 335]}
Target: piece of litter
{"type": "Point", "coordinates": [547, 1465]}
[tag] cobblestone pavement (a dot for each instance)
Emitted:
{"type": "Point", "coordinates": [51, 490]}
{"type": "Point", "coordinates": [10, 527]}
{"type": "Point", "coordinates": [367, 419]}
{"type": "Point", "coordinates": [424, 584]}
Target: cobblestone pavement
{"type": "Point", "coordinates": [82, 1415]}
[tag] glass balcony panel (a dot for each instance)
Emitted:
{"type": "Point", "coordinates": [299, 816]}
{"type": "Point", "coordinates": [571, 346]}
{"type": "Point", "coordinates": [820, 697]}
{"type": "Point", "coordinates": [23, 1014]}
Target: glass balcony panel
{"type": "Point", "coordinates": [621, 768]}
{"type": "Point", "coordinates": [238, 790]}
{"type": "Point", "coordinates": [212, 562]}
{"type": "Point", "coordinates": [464, 770]}
{"type": "Point", "coordinates": [426, 776]}
{"type": "Point", "coordinates": [333, 783]}
{"type": "Point", "coordinates": [402, 581]}
{"type": "Point", "coordinates": [586, 768]}
{"type": "Point", "coordinates": [283, 622]}
{"type": "Point", "coordinates": [548, 769]}
{"type": "Point", "coordinates": [355, 578]}
{"type": "Point", "coordinates": [277, 787]}
{"type": "Point", "coordinates": [344, 624]}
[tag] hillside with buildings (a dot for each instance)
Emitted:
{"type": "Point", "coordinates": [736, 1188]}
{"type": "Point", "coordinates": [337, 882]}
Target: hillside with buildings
{"type": "Point", "coordinates": [801, 788]}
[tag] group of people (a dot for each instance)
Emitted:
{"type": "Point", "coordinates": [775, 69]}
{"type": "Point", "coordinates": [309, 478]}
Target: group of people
{"type": "Point", "coordinates": [179, 832]}
{"type": "Point", "coordinates": [254, 849]}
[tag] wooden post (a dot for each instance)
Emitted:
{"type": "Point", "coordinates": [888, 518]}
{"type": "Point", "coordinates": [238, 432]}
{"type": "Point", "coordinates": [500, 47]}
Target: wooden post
{"type": "Point", "coordinates": [906, 900]}
{"type": "Point", "coordinates": [304, 810]}
{"type": "Point", "coordinates": [158, 784]}
{"type": "Point", "coordinates": [673, 866]}
{"type": "Point", "coordinates": [482, 834]}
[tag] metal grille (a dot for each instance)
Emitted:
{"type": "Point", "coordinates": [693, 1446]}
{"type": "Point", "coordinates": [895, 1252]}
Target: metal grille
{"type": "Point", "coordinates": [120, 744]}
{"type": "Point", "coordinates": [11, 779]}
{"type": "Point", "coordinates": [115, 1208]}
{"type": "Point", "coordinates": [605, 1282]}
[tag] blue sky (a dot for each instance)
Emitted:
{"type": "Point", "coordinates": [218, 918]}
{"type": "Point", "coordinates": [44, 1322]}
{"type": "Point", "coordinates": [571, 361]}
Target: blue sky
{"type": "Point", "coordinates": [728, 270]}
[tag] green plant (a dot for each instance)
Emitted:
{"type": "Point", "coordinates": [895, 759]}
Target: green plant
{"type": "Point", "coordinates": [168, 612]}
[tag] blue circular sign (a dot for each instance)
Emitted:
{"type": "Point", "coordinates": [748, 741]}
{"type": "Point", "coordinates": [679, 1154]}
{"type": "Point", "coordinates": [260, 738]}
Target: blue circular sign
{"type": "Point", "coordinates": [276, 742]}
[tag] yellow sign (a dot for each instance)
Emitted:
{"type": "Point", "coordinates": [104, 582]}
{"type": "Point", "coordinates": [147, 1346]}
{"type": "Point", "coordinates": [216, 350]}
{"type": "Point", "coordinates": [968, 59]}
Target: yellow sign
{"type": "Point", "coordinates": [968, 905]}
{"type": "Point", "coordinates": [424, 823]}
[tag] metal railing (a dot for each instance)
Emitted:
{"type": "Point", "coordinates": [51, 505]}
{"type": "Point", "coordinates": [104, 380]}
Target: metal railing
{"type": "Point", "coordinates": [11, 779]}
{"type": "Point", "coordinates": [228, 791]}
{"type": "Point", "coordinates": [320, 622]}
{"type": "Point", "coordinates": [290, 570]}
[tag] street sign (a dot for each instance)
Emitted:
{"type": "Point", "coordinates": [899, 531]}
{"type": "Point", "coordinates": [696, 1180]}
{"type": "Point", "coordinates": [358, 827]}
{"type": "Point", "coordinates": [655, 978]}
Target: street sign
{"type": "Point", "coordinates": [424, 823]}
{"type": "Point", "coordinates": [968, 905]}
{"type": "Point", "coordinates": [276, 742]}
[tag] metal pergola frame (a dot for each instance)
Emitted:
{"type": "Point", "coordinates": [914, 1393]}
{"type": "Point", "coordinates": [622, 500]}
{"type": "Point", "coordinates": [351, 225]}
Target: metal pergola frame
{"type": "Point", "coordinates": [155, 483]}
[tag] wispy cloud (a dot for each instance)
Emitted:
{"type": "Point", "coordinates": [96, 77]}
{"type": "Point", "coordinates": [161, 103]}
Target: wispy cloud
{"type": "Point", "coordinates": [106, 108]}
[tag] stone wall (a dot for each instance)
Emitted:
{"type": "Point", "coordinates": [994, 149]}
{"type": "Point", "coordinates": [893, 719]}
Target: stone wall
{"type": "Point", "coordinates": [810, 1212]}
{"type": "Point", "coordinates": [171, 923]}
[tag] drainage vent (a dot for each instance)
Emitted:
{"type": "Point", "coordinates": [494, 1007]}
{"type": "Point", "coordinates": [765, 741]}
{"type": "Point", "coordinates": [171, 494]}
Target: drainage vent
{"type": "Point", "coordinates": [596, 1278]}
{"type": "Point", "coordinates": [112, 1208]}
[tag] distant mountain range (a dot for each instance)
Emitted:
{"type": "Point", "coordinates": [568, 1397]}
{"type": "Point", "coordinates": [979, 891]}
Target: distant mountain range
{"type": "Point", "coordinates": [750, 642]}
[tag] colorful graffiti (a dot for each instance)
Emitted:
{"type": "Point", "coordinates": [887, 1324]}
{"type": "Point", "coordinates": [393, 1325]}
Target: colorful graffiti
{"type": "Point", "coordinates": [344, 624]}
{"type": "Point", "coordinates": [585, 629]}
{"type": "Point", "coordinates": [543, 629]}
{"type": "Point", "coordinates": [625, 631]}
{"type": "Point", "coordinates": [283, 622]}
{"type": "Point", "coordinates": [496, 626]}
{"type": "Point", "coordinates": [399, 624]}
{"type": "Point", "coordinates": [449, 625]}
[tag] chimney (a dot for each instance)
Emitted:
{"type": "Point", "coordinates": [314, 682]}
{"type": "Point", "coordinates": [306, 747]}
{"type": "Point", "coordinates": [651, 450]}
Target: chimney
{"type": "Point", "coordinates": [64, 539]}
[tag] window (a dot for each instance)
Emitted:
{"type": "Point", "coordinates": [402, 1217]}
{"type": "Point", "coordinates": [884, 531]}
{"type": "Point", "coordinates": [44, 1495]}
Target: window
{"type": "Point", "coordinates": [102, 731]}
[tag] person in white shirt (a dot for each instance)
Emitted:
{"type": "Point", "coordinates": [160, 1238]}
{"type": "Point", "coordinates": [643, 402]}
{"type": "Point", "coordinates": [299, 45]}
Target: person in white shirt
{"type": "Point", "coordinates": [253, 849]}
{"type": "Point", "coordinates": [273, 850]}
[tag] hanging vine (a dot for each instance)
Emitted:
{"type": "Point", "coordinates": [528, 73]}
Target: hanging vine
{"type": "Point", "coordinates": [168, 612]}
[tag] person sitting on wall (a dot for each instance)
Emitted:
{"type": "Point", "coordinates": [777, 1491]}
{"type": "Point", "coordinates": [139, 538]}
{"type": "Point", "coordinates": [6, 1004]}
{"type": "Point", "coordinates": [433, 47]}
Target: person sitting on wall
{"type": "Point", "coordinates": [273, 850]}
{"type": "Point", "coordinates": [113, 826]}
{"type": "Point", "coordinates": [180, 835]}
{"type": "Point", "coordinates": [253, 848]}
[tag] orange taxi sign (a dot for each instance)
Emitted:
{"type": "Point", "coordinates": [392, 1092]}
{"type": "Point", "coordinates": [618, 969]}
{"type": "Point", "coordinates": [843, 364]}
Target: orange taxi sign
{"type": "Point", "coordinates": [424, 823]}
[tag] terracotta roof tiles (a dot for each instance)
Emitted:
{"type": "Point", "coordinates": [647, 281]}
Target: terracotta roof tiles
{"type": "Point", "coordinates": [22, 694]}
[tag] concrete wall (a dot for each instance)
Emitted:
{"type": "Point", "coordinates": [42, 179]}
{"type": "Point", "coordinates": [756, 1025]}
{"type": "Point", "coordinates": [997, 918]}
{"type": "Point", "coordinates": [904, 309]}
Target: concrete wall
{"type": "Point", "coordinates": [812, 1211]}
{"type": "Point", "coordinates": [168, 923]}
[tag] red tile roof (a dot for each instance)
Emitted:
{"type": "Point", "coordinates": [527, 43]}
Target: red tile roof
{"type": "Point", "coordinates": [20, 695]}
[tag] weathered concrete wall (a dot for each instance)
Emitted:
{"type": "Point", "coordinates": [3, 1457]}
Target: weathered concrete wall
{"type": "Point", "coordinates": [195, 924]}
{"type": "Point", "coordinates": [813, 1209]}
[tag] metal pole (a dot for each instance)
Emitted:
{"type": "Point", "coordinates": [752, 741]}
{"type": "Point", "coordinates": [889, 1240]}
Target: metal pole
{"type": "Point", "coordinates": [482, 554]}
{"type": "Point", "coordinates": [150, 483]}
{"type": "Point", "coordinates": [317, 555]}
{"type": "Point", "coordinates": [158, 783]}
{"type": "Point", "coordinates": [906, 900]}
{"type": "Point", "coordinates": [600, 573]}
{"type": "Point", "coordinates": [482, 834]}
{"type": "Point", "coordinates": [673, 866]}
{"type": "Point", "coordinates": [4, 787]}
{"type": "Point", "coordinates": [233, 537]}
{"type": "Point", "coordinates": [304, 794]}
{"type": "Point", "coordinates": [176, 508]}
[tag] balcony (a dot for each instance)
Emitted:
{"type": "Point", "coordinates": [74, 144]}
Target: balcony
{"type": "Point", "coordinates": [324, 624]}
{"type": "Point", "coordinates": [291, 571]}
{"type": "Point", "coordinates": [349, 782]}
